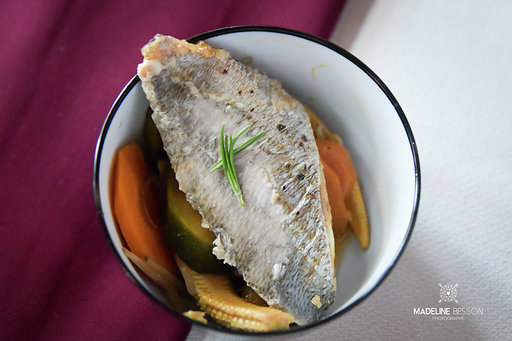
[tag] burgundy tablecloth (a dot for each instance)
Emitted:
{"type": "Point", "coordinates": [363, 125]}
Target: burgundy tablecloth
{"type": "Point", "coordinates": [62, 65]}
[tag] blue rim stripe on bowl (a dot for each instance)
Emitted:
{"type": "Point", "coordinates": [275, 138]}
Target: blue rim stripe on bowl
{"type": "Point", "coordinates": [237, 29]}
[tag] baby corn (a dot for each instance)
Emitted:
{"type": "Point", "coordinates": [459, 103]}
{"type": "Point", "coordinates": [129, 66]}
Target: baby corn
{"type": "Point", "coordinates": [218, 299]}
{"type": "Point", "coordinates": [359, 219]}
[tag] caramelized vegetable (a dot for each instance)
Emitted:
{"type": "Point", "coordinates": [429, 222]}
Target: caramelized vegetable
{"type": "Point", "coordinates": [183, 231]}
{"type": "Point", "coordinates": [216, 296]}
{"type": "Point", "coordinates": [134, 208]}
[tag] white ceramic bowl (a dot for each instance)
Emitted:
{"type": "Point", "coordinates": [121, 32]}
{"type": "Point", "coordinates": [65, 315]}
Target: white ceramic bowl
{"type": "Point", "coordinates": [351, 100]}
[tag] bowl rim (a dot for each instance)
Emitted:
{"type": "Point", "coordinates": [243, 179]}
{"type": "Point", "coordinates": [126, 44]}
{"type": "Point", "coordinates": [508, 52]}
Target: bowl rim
{"type": "Point", "coordinates": [335, 48]}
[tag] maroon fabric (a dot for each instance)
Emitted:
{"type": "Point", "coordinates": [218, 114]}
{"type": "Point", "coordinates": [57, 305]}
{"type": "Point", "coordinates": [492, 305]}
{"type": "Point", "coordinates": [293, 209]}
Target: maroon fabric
{"type": "Point", "coordinates": [62, 65]}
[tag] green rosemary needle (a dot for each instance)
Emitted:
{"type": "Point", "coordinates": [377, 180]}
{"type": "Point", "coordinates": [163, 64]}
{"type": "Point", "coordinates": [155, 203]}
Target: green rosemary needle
{"type": "Point", "coordinates": [239, 148]}
{"type": "Point", "coordinates": [227, 158]}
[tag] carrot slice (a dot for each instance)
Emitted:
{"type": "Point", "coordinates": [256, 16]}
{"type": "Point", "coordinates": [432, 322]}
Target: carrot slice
{"type": "Point", "coordinates": [339, 212]}
{"type": "Point", "coordinates": [338, 158]}
{"type": "Point", "coordinates": [354, 203]}
{"type": "Point", "coordinates": [134, 209]}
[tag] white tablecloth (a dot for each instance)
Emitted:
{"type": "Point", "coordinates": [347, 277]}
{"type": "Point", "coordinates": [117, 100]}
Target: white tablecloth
{"type": "Point", "coordinates": [449, 64]}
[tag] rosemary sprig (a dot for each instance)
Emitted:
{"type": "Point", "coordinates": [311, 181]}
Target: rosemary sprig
{"type": "Point", "coordinates": [227, 158]}
{"type": "Point", "coordinates": [240, 147]}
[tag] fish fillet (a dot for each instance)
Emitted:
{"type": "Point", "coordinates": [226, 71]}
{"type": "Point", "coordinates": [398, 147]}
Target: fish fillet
{"type": "Point", "coordinates": [281, 239]}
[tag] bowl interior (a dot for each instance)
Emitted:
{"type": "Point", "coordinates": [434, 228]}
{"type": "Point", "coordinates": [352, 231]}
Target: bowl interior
{"type": "Point", "coordinates": [347, 97]}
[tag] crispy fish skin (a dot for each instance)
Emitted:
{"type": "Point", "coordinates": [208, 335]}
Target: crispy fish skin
{"type": "Point", "coordinates": [280, 240]}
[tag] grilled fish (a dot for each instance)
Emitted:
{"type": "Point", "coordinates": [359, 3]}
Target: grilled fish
{"type": "Point", "coordinates": [280, 240]}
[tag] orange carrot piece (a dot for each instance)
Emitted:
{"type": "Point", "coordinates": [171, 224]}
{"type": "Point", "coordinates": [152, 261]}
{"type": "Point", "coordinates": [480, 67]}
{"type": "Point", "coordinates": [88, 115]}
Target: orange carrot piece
{"type": "Point", "coordinates": [338, 158]}
{"type": "Point", "coordinates": [339, 212]}
{"type": "Point", "coordinates": [134, 208]}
